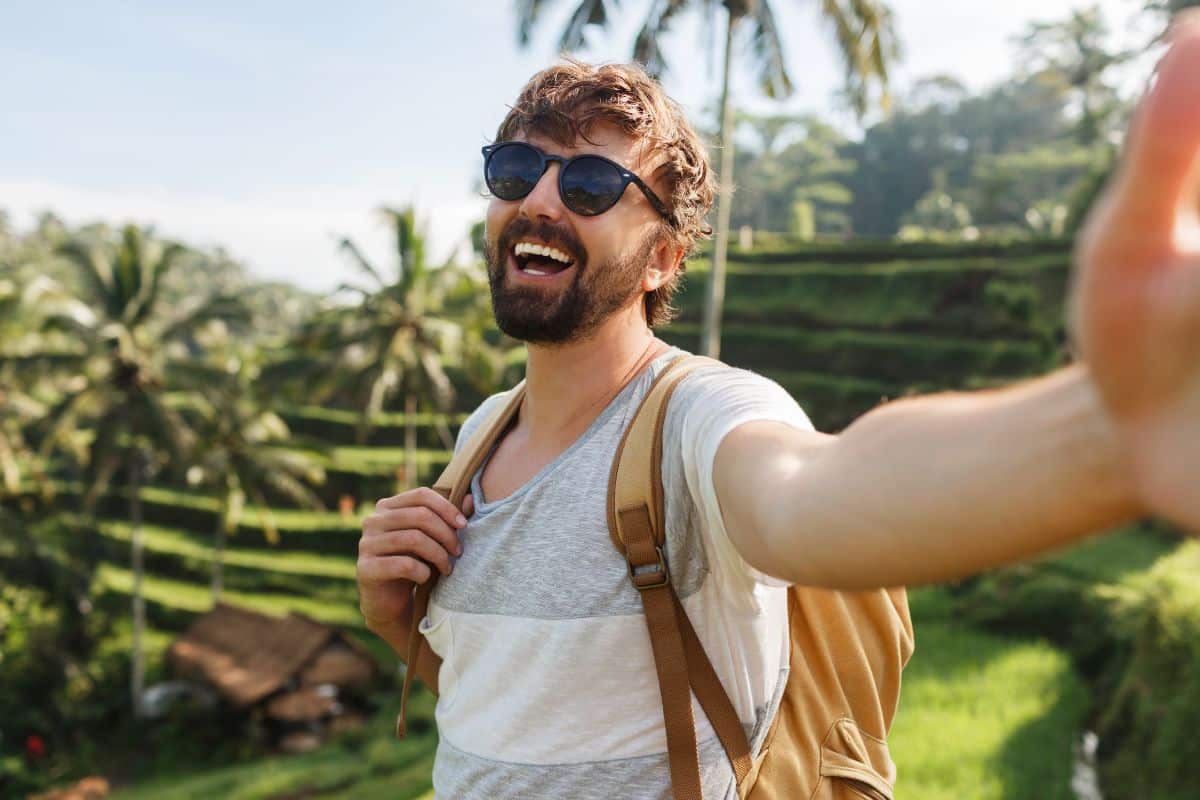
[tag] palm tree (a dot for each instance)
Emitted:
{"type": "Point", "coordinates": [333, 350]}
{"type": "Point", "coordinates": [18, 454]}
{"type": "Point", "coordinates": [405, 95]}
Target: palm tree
{"type": "Point", "coordinates": [115, 382]}
{"type": "Point", "coordinates": [865, 37]}
{"type": "Point", "coordinates": [27, 360]}
{"type": "Point", "coordinates": [242, 457]}
{"type": "Point", "coordinates": [21, 407]}
{"type": "Point", "coordinates": [395, 341]}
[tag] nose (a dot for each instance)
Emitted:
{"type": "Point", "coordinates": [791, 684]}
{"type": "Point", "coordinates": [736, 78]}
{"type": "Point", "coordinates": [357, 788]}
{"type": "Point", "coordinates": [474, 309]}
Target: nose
{"type": "Point", "coordinates": [544, 201]}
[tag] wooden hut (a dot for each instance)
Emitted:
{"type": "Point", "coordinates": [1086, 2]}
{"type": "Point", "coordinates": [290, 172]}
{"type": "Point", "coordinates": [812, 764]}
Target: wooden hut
{"type": "Point", "coordinates": [300, 674]}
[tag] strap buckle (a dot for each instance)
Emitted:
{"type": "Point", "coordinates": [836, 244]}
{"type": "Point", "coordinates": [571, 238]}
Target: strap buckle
{"type": "Point", "coordinates": [650, 579]}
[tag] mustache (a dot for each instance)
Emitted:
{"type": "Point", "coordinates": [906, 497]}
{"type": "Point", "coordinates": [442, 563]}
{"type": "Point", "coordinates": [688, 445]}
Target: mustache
{"type": "Point", "coordinates": [552, 235]}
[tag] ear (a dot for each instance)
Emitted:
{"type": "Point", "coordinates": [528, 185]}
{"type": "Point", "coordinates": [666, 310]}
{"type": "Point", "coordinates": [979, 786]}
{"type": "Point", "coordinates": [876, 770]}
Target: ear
{"type": "Point", "coordinates": [664, 263]}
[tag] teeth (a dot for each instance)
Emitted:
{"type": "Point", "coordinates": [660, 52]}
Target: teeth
{"type": "Point", "coordinates": [529, 248]}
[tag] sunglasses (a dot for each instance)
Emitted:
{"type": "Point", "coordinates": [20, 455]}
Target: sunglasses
{"type": "Point", "coordinates": [588, 184]}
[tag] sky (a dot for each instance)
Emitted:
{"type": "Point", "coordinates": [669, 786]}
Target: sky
{"type": "Point", "coordinates": [270, 129]}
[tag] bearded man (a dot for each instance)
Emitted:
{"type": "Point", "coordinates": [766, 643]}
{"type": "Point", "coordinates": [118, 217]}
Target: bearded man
{"type": "Point", "coordinates": [600, 189]}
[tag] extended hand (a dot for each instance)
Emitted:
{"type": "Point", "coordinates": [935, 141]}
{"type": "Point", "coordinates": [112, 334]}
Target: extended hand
{"type": "Point", "coordinates": [1135, 299]}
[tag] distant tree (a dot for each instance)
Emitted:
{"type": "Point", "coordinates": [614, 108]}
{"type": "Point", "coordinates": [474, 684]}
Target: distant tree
{"type": "Point", "coordinates": [938, 215]}
{"type": "Point", "coordinates": [793, 180]}
{"type": "Point", "coordinates": [950, 133]}
{"type": "Point", "coordinates": [394, 342]}
{"type": "Point", "coordinates": [243, 456]}
{"type": "Point", "coordinates": [1029, 188]}
{"type": "Point", "coordinates": [865, 39]}
{"type": "Point", "coordinates": [1074, 54]}
{"type": "Point", "coordinates": [115, 382]}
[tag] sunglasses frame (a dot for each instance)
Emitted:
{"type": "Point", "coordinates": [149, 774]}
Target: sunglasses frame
{"type": "Point", "coordinates": [547, 159]}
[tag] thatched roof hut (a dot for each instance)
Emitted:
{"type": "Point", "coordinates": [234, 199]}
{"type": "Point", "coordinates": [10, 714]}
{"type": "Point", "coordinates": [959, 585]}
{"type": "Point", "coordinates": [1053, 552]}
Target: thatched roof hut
{"type": "Point", "coordinates": [250, 657]}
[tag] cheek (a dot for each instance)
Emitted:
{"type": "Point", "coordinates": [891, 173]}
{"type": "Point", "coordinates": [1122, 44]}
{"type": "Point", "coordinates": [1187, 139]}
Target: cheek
{"type": "Point", "coordinates": [499, 213]}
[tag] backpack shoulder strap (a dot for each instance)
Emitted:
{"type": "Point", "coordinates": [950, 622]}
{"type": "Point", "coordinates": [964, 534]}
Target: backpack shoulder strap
{"type": "Point", "coordinates": [637, 525]}
{"type": "Point", "coordinates": [453, 484]}
{"type": "Point", "coordinates": [635, 480]}
{"type": "Point", "coordinates": [455, 481]}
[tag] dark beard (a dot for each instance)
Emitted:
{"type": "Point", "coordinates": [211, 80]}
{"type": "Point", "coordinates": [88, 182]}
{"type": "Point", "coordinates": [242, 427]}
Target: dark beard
{"type": "Point", "coordinates": [540, 316]}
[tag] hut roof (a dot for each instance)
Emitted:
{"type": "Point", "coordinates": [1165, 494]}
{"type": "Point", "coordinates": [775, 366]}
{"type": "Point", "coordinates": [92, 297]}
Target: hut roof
{"type": "Point", "coordinates": [247, 655]}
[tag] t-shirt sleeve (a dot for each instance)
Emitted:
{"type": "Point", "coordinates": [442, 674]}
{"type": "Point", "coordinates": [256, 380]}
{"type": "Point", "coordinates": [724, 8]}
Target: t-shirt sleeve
{"type": "Point", "coordinates": [711, 403]}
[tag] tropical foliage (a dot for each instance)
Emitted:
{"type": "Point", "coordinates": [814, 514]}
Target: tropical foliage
{"type": "Point", "coordinates": [397, 341]}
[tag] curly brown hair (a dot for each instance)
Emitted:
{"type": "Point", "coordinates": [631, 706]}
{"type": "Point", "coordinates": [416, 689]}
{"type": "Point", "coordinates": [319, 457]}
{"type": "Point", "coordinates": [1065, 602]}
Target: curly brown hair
{"type": "Point", "coordinates": [564, 101]}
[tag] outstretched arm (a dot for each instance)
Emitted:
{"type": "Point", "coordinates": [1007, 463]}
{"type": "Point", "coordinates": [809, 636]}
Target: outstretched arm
{"type": "Point", "coordinates": [943, 486]}
{"type": "Point", "coordinates": [925, 489]}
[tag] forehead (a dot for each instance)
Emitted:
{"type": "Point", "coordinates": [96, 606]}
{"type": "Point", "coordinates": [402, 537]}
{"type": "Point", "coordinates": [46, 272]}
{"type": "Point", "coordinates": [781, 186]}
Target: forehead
{"type": "Point", "coordinates": [602, 139]}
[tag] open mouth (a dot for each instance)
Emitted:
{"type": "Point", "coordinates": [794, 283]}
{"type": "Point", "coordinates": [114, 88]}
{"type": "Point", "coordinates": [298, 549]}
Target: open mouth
{"type": "Point", "coordinates": [539, 260]}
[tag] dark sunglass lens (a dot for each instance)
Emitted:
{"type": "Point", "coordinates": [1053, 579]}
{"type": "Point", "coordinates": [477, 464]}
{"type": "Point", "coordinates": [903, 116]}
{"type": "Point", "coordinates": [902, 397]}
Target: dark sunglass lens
{"type": "Point", "coordinates": [512, 171]}
{"type": "Point", "coordinates": [591, 186]}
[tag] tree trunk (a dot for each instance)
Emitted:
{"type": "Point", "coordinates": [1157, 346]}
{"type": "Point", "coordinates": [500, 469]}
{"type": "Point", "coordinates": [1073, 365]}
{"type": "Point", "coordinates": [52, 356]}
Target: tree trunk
{"type": "Point", "coordinates": [137, 677]}
{"type": "Point", "coordinates": [218, 553]}
{"type": "Point", "coordinates": [710, 337]}
{"type": "Point", "coordinates": [410, 441]}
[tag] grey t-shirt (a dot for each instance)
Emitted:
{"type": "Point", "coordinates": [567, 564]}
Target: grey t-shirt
{"type": "Point", "coordinates": [548, 686]}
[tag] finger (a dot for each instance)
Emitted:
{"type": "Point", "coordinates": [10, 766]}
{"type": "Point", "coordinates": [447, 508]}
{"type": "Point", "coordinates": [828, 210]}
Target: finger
{"type": "Point", "coordinates": [377, 569]}
{"type": "Point", "coordinates": [469, 505]}
{"type": "Point", "coordinates": [425, 497]}
{"type": "Point", "coordinates": [417, 517]}
{"type": "Point", "coordinates": [1158, 179]}
{"type": "Point", "coordinates": [407, 543]}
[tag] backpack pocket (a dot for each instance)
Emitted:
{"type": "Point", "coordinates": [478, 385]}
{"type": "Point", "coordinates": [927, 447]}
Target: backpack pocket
{"type": "Point", "coordinates": [854, 765]}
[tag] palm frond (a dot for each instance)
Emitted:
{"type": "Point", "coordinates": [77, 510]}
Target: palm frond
{"type": "Point", "coordinates": [147, 300]}
{"type": "Point", "coordinates": [382, 387]}
{"type": "Point", "coordinates": [93, 268]}
{"type": "Point", "coordinates": [528, 14]}
{"type": "Point", "coordinates": [867, 43]}
{"type": "Point", "coordinates": [129, 269]}
{"type": "Point", "coordinates": [228, 308]}
{"type": "Point", "coordinates": [265, 516]}
{"type": "Point", "coordinates": [104, 457]}
{"type": "Point", "coordinates": [166, 430]}
{"type": "Point", "coordinates": [443, 389]}
{"type": "Point", "coordinates": [294, 490]}
{"type": "Point", "coordinates": [345, 287]}
{"type": "Point", "coordinates": [101, 479]}
{"type": "Point", "coordinates": [29, 370]}
{"type": "Point", "coordinates": [63, 416]}
{"type": "Point", "coordinates": [195, 374]}
{"type": "Point", "coordinates": [588, 12]}
{"type": "Point", "coordinates": [360, 260]}
{"type": "Point", "coordinates": [71, 325]}
{"type": "Point", "coordinates": [646, 49]}
{"type": "Point", "coordinates": [767, 49]}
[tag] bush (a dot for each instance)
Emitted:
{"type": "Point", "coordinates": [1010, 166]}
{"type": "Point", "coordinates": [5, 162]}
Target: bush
{"type": "Point", "coordinates": [1148, 724]}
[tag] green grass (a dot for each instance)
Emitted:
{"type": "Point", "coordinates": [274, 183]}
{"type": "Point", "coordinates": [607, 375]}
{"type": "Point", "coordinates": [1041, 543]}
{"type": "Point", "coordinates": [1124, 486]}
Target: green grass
{"type": "Point", "coordinates": [370, 765]}
{"type": "Point", "coordinates": [378, 460]}
{"type": "Point", "coordinates": [903, 359]}
{"type": "Point", "coordinates": [985, 717]}
{"type": "Point", "coordinates": [169, 541]}
{"type": "Point", "coordinates": [351, 418]}
{"type": "Point", "coordinates": [183, 596]}
{"type": "Point", "coordinates": [290, 518]}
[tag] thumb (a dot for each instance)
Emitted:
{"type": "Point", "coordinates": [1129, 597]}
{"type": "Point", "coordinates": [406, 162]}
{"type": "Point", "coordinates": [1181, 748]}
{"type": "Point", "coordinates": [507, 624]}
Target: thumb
{"type": "Point", "coordinates": [468, 505]}
{"type": "Point", "coordinates": [1158, 177]}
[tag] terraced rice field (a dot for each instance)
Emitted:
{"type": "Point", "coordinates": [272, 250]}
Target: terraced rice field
{"type": "Point", "coordinates": [841, 330]}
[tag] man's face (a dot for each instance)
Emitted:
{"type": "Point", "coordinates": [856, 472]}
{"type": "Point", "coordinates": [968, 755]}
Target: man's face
{"type": "Point", "coordinates": [538, 300]}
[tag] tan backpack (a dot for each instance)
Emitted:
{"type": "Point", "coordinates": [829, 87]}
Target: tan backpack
{"type": "Point", "coordinates": [828, 740]}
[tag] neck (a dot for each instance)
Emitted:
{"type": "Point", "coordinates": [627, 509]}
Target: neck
{"type": "Point", "coordinates": [567, 386]}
